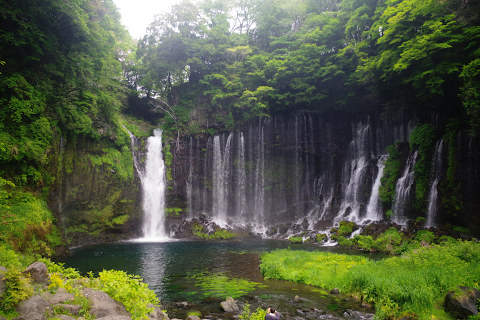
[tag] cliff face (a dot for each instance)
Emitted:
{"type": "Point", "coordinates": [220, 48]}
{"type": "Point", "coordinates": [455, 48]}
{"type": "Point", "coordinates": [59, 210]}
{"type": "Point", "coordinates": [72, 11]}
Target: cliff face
{"type": "Point", "coordinates": [95, 196]}
{"type": "Point", "coordinates": [304, 171]}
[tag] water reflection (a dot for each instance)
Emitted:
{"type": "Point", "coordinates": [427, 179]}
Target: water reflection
{"type": "Point", "coordinates": [153, 263]}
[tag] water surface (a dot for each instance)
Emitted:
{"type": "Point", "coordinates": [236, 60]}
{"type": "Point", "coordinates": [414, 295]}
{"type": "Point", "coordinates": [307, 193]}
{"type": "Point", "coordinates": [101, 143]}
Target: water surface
{"type": "Point", "coordinates": [170, 268]}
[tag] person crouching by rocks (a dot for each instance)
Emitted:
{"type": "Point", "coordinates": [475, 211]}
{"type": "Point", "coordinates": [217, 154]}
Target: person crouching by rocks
{"type": "Point", "coordinates": [272, 314]}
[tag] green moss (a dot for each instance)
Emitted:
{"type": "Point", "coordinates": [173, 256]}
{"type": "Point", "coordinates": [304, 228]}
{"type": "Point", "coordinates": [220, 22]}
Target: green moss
{"type": "Point", "coordinates": [219, 234]}
{"type": "Point", "coordinates": [173, 211]}
{"type": "Point", "coordinates": [168, 156]}
{"type": "Point", "coordinates": [296, 239]}
{"type": "Point", "coordinates": [320, 237]}
{"type": "Point", "coordinates": [120, 162]}
{"type": "Point", "coordinates": [422, 139]}
{"type": "Point", "coordinates": [451, 190]}
{"type": "Point", "coordinates": [346, 228]}
{"type": "Point", "coordinates": [391, 173]}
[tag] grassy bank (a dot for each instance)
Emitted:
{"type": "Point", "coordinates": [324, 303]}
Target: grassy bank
{"type": "Point", "coordinates": [414, 283]}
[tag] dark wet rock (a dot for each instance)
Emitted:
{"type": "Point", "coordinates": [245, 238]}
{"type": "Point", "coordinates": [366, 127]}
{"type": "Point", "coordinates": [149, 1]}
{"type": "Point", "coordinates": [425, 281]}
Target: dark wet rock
{"type": "Point", "coordinates": [157, 313]}
{"type": "Point", "coordinates": [462, 305]}
{"type": "Point", "coordinates": [335, 291]}
{"type": "Point", "coordinates": [38, 272]}
{"type": "Point", "coordinates": [357, 315]}
{"type": "Point", "coordinates": [229, 305]}
{"type": "Point", "coordinates": [34, 308]}
{"type": "Point", "coordinates": [103, 305]}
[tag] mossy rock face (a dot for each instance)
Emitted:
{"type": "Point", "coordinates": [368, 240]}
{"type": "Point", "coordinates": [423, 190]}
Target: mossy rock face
{"type": "Point", "coordinates": [93, 199]}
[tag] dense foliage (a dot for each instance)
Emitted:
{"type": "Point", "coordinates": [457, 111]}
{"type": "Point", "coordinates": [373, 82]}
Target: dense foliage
{"type": "Point", "coordinates": [242, 59]}
{"type": "Point", "coordinates": [415, 282]}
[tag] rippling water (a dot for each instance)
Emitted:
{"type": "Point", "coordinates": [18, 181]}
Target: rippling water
{"type": "Point", "coordinates": [168, 266]}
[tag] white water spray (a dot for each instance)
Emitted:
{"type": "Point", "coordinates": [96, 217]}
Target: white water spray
{"type": "Point", "coordinates": [153, 185]}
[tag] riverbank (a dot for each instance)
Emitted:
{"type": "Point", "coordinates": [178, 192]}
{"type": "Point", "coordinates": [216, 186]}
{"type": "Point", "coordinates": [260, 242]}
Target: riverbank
{"type": "Point", "coordinates": [412, 285]}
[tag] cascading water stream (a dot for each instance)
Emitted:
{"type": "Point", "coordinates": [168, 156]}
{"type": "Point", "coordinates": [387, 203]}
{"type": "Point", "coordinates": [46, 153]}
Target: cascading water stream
{"type": "Point", "coordinates": [402, 191]}
{"type": "Point", "coordinates": [354, 174]}
{"type": "Point", "coordinates": [374, 212]}
{"type": "Point", "coordinates": [153, 186]}
{"type": "Point", "coordinates": [433, 195]}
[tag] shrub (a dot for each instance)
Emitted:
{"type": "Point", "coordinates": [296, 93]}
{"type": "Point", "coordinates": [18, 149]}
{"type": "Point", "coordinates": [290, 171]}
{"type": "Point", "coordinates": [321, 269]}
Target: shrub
{"type": "Point", "coordinates": [129, 290]}
{"type": "Point", "coordinates": [259, 314]}
{"type": "Point", "coordinates": [17, 288]}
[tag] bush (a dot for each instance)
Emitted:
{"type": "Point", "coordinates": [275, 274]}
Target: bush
{"type": "Point", "coordinates": [129, 290]}
{"type": "Point", "coordinates": [17, 288]}
{"type": "Point", "coordinates": [259, 314]}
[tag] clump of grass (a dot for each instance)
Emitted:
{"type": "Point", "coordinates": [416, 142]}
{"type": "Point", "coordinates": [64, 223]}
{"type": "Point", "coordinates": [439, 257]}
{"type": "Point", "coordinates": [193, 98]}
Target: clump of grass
{"type": "Point", "coordinates": [219, 234]}
{"type": "Point", "coordinates": [415, 282]}
{"type": "Point", "coordinates": [295, 239]}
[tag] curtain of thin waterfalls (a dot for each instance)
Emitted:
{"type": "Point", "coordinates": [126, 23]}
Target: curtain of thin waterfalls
{"type": "Point", "coordinates": [153, 186]}
{"type": "Point", "coordinates": [300, 169]}
{"type": "Point", "coordinates": [435, 176]}
{"type": "Point", "coordinates": [401, 203]}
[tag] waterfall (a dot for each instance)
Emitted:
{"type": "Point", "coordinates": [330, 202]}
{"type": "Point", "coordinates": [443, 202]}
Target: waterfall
{"type": "Point", "coordinates": [133, 144]}
{"type": "Point", "coordinates": [374, 212]}
{"type": "Point", "coordinates": [259, 183]}
{"type": "Point", "coordinates": [402, 191]}
{"type": "Point", "coordinates": [221, 181]}
{"type": "Point", "coordinates": [153, 186]}
{"type": "Point", "coordinates": [241, 181]}
{"type": "Point", "coordinates": [189, 186]}
{"type": "Point", "coordinates": [354, 174]}
{"type": "Point", "coordinates": [433, 195]}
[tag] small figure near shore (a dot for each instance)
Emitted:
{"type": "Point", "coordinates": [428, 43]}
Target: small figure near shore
{"type": "Point", "coordinates": [272, 314]}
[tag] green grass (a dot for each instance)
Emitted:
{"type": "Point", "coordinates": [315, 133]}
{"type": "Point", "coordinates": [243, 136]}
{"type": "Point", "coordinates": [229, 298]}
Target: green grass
{"type": "Point", "coordinates": [415, 282]}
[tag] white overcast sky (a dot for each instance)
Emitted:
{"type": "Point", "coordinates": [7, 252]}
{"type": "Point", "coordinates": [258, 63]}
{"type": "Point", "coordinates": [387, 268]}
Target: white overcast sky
{"type": "Point", "coordinates": [138, 14]}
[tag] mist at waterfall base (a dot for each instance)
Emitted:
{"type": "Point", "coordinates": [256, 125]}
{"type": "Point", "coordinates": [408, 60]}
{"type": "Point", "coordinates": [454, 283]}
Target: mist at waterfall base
{"type": "Point", "coordinates": [168, 267]}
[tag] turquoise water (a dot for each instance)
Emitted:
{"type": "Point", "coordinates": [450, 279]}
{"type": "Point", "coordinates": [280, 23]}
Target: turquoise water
{"type": "Point", "coordinates": [172, 270]}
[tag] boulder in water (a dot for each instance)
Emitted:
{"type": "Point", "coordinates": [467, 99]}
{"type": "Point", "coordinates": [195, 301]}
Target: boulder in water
{"type": "Point", "coordinates": [229, 305]}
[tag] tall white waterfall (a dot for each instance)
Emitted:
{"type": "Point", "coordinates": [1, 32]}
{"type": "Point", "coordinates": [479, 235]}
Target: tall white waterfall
{"type": "Point", "coordinates": [402, 191]}
{"type": "Point", "coordinates": [153, 185]}
{"type": "Point", "coordinates": [354, 174]}
{"type": "Point", "coordinates": [433, 195]}
{"type": "Point", "coordinates": [374, 212]}
{"type": "Point", "coordinates": [221, 174]}
{"type": "Point", "coordinates": [241, 182]}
